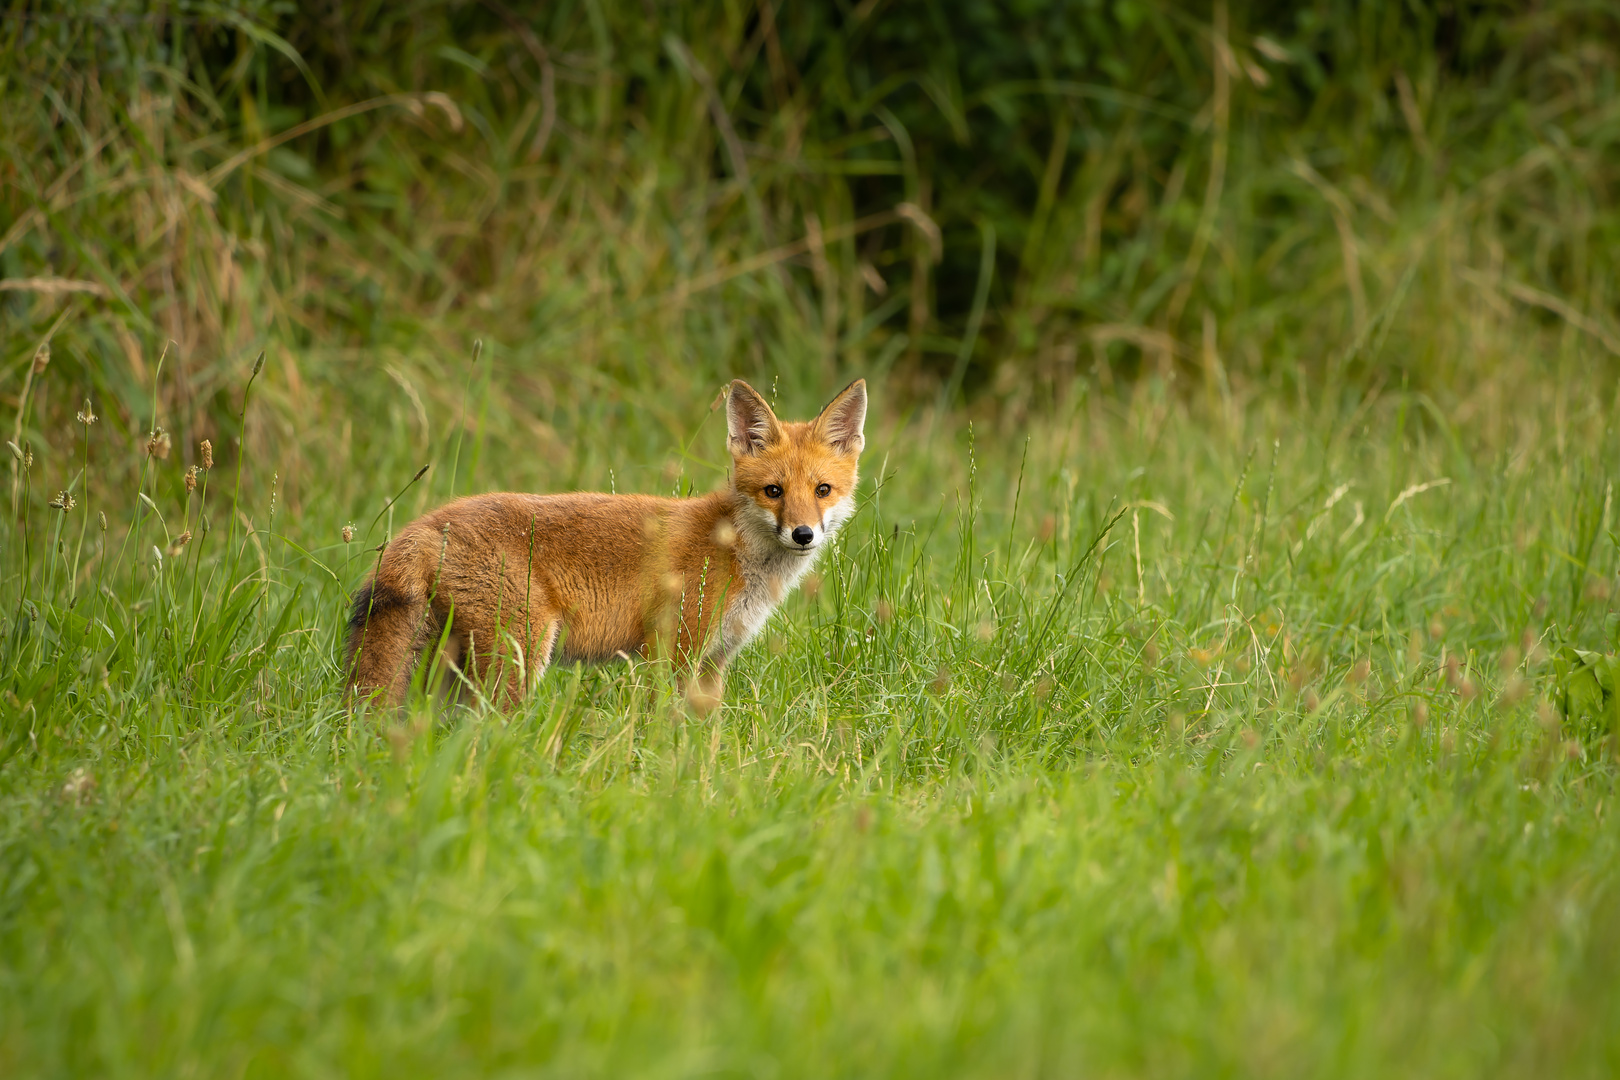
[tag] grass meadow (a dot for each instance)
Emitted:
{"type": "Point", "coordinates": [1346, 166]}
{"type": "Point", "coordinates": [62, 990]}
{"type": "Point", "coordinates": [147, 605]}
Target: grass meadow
{"type": "Point", "coordinates": [1220, 674]}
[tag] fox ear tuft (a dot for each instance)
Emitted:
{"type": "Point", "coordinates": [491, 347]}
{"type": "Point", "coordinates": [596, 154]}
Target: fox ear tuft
{"type": "Point", "coordinates": [841, 423]}
{"type": "Point", "coordinates": [750, 424]}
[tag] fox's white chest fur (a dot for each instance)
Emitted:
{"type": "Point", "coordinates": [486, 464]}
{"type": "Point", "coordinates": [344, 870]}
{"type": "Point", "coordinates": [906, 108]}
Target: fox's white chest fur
{"type": "Point", "coordinates": [769, 573]}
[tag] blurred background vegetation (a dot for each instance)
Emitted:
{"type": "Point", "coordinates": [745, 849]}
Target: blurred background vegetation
{"type": "Point", "coordinates": [980, 203]}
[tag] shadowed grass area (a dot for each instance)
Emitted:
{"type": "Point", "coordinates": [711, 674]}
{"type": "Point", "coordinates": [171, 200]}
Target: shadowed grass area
{"type": "Point", "coordinates": [1220, 674]}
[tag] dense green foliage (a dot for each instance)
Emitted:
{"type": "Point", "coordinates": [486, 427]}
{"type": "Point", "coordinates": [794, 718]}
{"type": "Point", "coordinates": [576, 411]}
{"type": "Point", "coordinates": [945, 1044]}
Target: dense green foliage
{"type": "Point", "coordinates": [1220, 675]}
{"type": "Point", "coordinates": [1091, 188]}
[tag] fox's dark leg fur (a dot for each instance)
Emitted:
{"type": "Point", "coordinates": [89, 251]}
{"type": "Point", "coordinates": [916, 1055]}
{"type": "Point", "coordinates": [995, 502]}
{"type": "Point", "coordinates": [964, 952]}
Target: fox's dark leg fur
{"type": "Point", "coordinates": [506, 656]}
{"type": "Point", "coordinates": [387, 631]}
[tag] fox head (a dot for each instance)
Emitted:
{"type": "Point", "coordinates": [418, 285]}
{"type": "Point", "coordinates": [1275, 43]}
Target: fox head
{"type": "Point", "coordinates": [795, 482]}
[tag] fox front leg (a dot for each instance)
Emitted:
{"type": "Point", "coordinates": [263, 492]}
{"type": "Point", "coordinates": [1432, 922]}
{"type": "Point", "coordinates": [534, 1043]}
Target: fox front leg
{"type": "Point", "coordinates": [705, 686]}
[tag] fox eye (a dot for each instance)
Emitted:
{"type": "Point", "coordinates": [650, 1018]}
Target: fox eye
{"type": "Point", "coordinates": [823, 490]}
{"type": "Point", "coordinates": [772, 491]}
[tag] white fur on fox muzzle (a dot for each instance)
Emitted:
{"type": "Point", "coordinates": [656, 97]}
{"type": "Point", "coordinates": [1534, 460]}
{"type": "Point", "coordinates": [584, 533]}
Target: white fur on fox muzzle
{"type": "Point", "coordinates": [801, 538]}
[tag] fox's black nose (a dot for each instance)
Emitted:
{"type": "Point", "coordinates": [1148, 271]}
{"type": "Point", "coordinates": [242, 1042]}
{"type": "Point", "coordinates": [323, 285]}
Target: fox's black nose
{"type": "Point", "coordinates": [803, 534]}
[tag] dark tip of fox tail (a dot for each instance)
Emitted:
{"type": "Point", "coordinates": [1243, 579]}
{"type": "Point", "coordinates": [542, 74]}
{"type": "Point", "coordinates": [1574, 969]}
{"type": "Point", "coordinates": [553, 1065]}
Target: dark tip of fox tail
{"type": "Point", "coordinates": [362, 604]}
{"type": "Point", "coordinates": [371, 601]}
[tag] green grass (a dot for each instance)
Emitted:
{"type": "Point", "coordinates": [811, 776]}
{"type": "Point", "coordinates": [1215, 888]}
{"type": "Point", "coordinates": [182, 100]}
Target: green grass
{"type": "Point", "coordinates": [1284, 796]}
{"type": "Point", "coordinates": [1220, 675]}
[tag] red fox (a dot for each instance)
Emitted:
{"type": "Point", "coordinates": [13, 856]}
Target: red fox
{"type": "Point", "coordinates": [518, 580]}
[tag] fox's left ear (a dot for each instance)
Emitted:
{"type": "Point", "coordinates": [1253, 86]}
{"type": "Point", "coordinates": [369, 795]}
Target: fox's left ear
{"type": "Point", "coordinates": [750, 424]}
{"type": "Point", "coordinates": [841, 422]}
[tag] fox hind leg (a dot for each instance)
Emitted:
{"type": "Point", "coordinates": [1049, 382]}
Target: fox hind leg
{"type": "Point", "coordinates": [508, 658]}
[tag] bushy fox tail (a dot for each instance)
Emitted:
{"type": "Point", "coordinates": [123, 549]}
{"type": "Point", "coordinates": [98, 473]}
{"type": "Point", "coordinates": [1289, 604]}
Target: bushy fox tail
{"type": "Point", "coordinates": [387, 629]}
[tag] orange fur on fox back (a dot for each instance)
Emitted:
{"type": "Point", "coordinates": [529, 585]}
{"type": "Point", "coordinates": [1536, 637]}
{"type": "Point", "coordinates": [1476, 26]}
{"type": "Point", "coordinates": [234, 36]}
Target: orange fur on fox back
{"type": "Point", "coordinates": [514, 581]}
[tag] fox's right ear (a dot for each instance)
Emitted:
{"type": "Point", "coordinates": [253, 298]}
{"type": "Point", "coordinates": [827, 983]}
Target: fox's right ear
{"type": "Point", "coordinates": [751, 426]}
{"type": "Point", "coordinates": [842, 422]}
